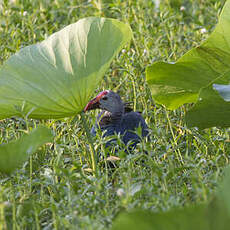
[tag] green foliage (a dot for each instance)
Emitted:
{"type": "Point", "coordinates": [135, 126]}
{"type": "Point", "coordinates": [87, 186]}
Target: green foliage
{"type": "Point", "coordinates": [176, 84]}
{"type": "Point", "coordinates": [215, 215]}
{"type": "Point", "coordinates": [187, 218]}
{"type": "Point", "coordinates": [178, 167]}
{"type": "Point", "coordinates": [13, 154]}
{"type": "Point", "coordinates": [55, 78]}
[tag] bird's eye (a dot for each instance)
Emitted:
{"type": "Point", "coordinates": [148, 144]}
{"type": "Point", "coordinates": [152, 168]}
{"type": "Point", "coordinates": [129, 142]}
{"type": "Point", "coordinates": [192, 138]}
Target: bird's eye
{"type": "Point", "coordinates": [104, 98]}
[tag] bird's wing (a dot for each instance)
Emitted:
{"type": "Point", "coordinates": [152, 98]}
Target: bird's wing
{"type": "Point", "coordinates": [133, 120]}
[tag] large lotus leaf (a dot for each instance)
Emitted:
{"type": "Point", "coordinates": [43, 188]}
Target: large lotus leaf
{"type": "Point", "coordinates": [210, 216]}
{"type": "Point", "coordinates": [188, 218]}
{"type": "Point", "coordinates": [219, 207]}
{"type": "Point", "coordinates": [211, 109]}
{"type": "Point", "coordinates": [13, 154]}
{"type": "Point", "coordinates": [55, 78]}
{"type": "Point", "coordinates": [223, 195]}
{"type": "Point", "coordinates": [179, 83]}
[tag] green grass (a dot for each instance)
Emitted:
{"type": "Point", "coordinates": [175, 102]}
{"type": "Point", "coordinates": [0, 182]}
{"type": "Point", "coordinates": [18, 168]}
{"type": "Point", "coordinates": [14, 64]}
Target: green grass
{"type": "Point", "coordinates": [183, 166]}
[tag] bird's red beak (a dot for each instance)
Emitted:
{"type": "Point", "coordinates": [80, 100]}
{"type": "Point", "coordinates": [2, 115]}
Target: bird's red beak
{"type": "Point", "coordinates": [95, 103]}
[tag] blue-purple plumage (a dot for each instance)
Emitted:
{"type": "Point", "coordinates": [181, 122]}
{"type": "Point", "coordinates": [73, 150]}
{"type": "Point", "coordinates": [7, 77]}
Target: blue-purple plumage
{"type": "Point", "coordinates": [117, 119]}
{"type": "Point", "coordinates": [126, 126]}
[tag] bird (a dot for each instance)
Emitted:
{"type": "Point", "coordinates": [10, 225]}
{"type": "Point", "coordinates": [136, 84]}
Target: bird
{"type": "Point", "coordinates": [117, 118]}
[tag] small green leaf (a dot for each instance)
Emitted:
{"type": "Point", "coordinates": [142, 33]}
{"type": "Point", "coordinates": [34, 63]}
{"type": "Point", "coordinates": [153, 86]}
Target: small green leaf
{"type": "Point", "coordinates": [13, 154]}
{"type": "Point", "coordinates": [176, 84]}
{"type": "Point", "coordinates": [56, 78]}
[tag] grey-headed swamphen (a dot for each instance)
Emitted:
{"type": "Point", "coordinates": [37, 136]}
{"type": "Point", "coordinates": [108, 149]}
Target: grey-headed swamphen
{"type": "Point", "coordinates": [117, 118]}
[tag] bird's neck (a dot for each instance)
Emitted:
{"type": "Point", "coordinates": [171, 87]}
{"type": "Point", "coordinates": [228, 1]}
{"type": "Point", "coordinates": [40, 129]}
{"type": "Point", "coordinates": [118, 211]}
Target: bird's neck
{"type": "Point", "coordinates": [117, 115]}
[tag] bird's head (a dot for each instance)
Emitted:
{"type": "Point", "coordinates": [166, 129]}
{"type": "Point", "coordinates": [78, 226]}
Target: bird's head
{"type": "Point", "coordinates": [106, 100]}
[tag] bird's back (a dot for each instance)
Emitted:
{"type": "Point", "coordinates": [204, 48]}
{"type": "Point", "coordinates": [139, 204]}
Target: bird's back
{"type": "Point", "coordinates": [126, 126]}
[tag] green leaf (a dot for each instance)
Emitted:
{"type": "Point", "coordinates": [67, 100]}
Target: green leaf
{"type": "Point", "coordinates": [223, 192]}
{"type": "Point", "coordinates": [56, 78]}
{"type": "Point", "coordinates": [209, 216]}
{"type": "Point", "coordinates": [223, 195]}
{"type": "Point", "coordinates": [176, 84]}
{"type": "Point", "coordinates": [211, 108]}
{"type": "Point", "coordinates": [178, 219]}
{"type": "Point", "coordinates": [219, 208]}
{"type": "Point", "coordinates": [13, 154]}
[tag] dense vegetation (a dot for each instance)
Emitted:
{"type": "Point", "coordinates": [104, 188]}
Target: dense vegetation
{"type": "Point", "coordinates": [55, 189]}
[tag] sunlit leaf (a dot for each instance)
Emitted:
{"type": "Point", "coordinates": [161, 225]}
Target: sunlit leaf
{"type": "Point", "coordinates": [13, 154]}
{"type": "Point", "coordinates": [179, 83]}
{"type": "Point", "coordinates": [56, 78]}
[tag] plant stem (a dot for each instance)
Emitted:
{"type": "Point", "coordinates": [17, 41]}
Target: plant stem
{"type": "Point", "coordinates": [89, 137]}
{"type": "Point", "coordinates": [174, 142]}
